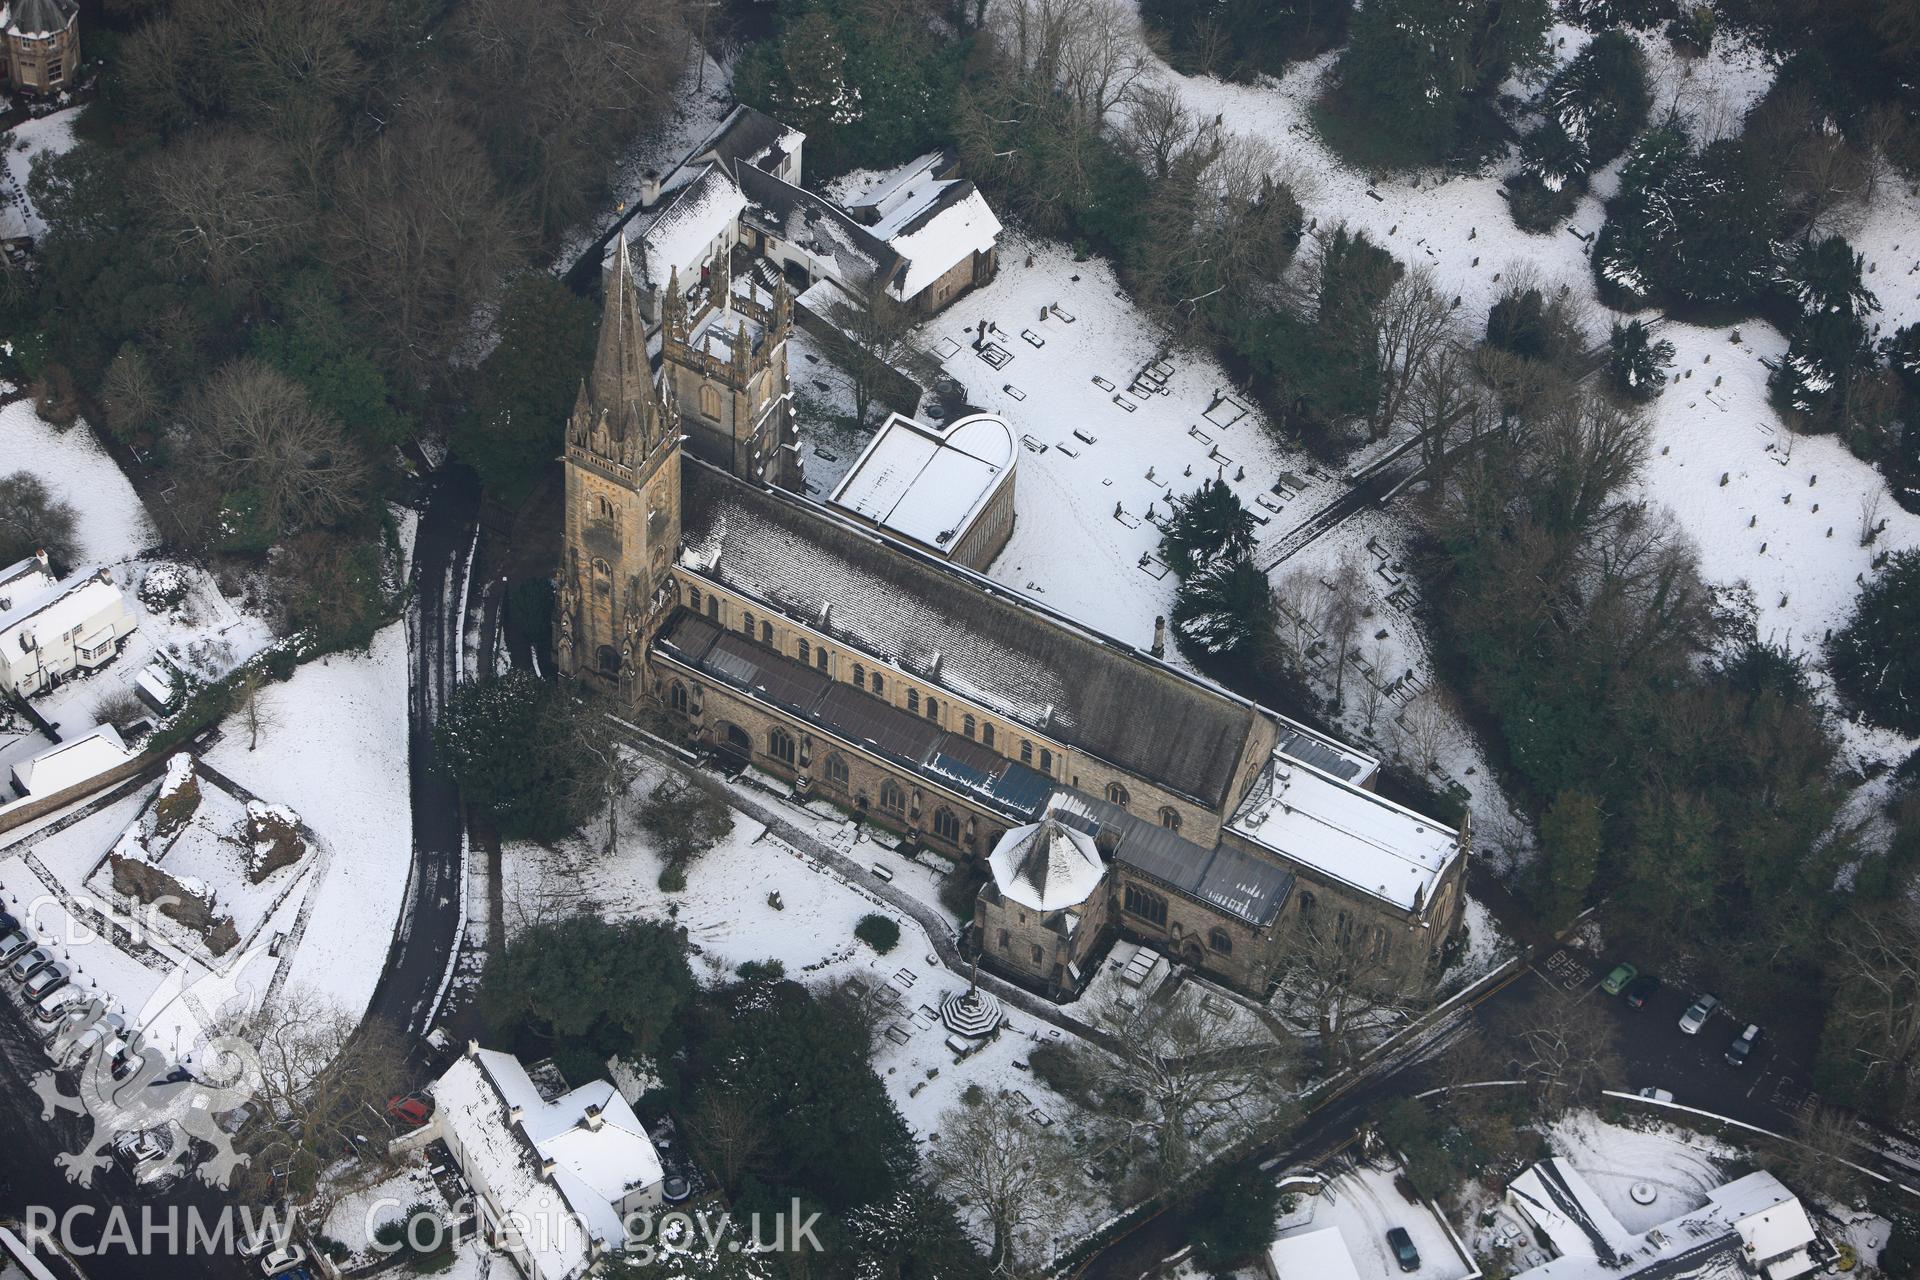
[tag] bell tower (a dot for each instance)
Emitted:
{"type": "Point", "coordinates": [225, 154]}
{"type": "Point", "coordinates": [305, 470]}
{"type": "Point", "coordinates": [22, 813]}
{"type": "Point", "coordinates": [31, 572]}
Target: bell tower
{"type": "Point", "coordinates": [622, 523]}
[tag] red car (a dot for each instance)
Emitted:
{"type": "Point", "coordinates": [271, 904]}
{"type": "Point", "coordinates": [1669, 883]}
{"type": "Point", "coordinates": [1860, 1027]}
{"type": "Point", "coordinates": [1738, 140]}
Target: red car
{"type": "Point", "coordinates": [411, 1109]}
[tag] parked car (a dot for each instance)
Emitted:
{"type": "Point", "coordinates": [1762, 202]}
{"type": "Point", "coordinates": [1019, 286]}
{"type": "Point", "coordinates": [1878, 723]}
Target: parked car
{"type": "Point", "coordinates": [1698, 1012]}
{"type": "Point", "coordinates": [1656, 1095]}
{"type": "Point", "coordinates": [410, 1109]}
{"type": "Point", "coordinates": [8, 923]}
{"type": "Point", "coordinates": [1617, 980]}
{"type": "Point", "coordinates": [48, 982]}
{"type": "Point", "coordinates": [1641, 990]}
{"type": "Point", "coordinates": [282, 1260]}
{"type": "Point", "coordinates": [1742, 1047]}
{"type": "Point", "coordinates": [66, 1006]}
{"type": "Point", "coordinates": [14, 943]}
{"type": "Point", "coordinates": [1403, 1251]}
{"type": "Point", "coordinates": [29, 963]}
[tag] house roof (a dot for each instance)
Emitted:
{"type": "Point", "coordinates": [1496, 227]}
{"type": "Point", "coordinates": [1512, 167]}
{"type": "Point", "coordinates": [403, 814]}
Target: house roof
{"type": "Point", "coordinates": [751, 137]}
{"type": "Point", "coordinates": [929, 483]}
{"type": "Point", "coordinates": [24, 579]}
{"type": "Point", "coordinates": [940, 225]}
{"type": "Point", "coordinates": [1312, 1255]}
{"type": "Point", "coordinates": [1046, 865]}
{"type": "Point", "coordinates": [960, 632]}
{"type": "Point", "coordinates": [72, 762]}
{"type": "Point", "coordinates": [679, 235]}
{"type": "Point", "coordinates": [41, 17]}
{"type": "Point", "coordinates": [56, 609]}
{"type": "Point", "coordinates": [1231, 880]}
{"type": "Point", "coordinates": [847, 251]}
{"type": "Point", "coordinates": [594, 1167]}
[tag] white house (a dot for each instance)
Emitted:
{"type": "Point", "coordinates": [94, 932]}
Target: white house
{"type": "Point", "coordinates": [1750, 1229]}
{"type": "Point", "coordinates": [1311, 1255]}
{"type": "Point", "coordinates": [556, 1172]}
{"type": "Point", "coordinates": [49, 630]}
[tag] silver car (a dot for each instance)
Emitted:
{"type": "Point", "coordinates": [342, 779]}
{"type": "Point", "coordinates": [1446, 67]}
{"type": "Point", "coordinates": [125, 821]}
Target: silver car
{"type": "Point", "coordinates": [1697, 1014]}
{"type": "Point", "coordinates": [13, 944]}
{"type": "Point", "coordinates": [25, 966]}
{"type": "Point", "coordinates": [46, 983]}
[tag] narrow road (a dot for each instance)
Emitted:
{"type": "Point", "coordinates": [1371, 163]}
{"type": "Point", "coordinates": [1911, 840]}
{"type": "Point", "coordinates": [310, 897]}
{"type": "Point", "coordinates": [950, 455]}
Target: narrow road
{"type": "Point", "coordinates": [430, 922]}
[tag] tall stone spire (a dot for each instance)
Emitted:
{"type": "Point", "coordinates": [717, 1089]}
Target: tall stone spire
{"type": "Point", "coordinates": [620, 414]}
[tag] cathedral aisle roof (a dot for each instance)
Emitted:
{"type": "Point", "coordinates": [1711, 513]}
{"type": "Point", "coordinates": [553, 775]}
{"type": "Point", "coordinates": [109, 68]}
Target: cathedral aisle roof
{"type": "Point", "coordinates": [959, 632]}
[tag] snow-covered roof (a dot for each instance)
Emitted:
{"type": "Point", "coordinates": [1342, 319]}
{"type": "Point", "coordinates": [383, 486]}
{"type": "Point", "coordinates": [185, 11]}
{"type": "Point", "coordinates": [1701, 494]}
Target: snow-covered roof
{"type": "Point", "coordinates": [939, 225]}
{"type": "Point", "coordinates": [842, 248]}
{"type": "Point", "coordinates": [1751, 1226]}
{"type": "Point", "coordinates": [54, 610]}
{"type": "Point", "coordinates": [1227, 878]}
{"type": "Point", "coordinates": [72, 762]}
{"type": "Point", "coordinates": [1046, 866]}
{"type": "Point", "coordinates": [41, 17]}
{"type": "Point", "coordinates": [680, 235]}
{"type": "Point", "coordinates": [599, 1151]}
{"type": "Point", "coordinates": [1346, 833]}
{"type": "Point", "coordinates": [1312, 1255]}
{"type": "Point", "coordinates": [24, 578]}
{"type": "Point", "coordinates": [896, 185]}
{"type": "Point", "coordinates": [929, 483]}
{"type": "Point", "coordinates": [749, 136]}
{"type": "Point", "coordinates": [961, 632]}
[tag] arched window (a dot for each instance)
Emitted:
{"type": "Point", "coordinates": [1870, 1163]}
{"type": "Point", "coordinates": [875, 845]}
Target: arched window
{"type": "Point", "coordinates": [1117, 794]}
{"type": "Point", "coordinates": [736, 739]}
{"type": "Point", "coordinates": [933, 708]}
{"type": "Point", "coordinates": [677, 697]}
{"type": "Point", "coordinates": [1220, 940]}
{"type": "Point", "coordinates": [836, 771]}
{"type": "Point", "coordinates": [604, 510]}
{"type": "Point", "coordinates": [946, 825]}
{"type": "Point", "coordinates": [892, 798]}
{"type": "Point", "coordinates": [806, 651]}
{"type": "Point", "coordinates": [1046, 761]}
{"type": "Point", "coordinates": [609, 660]}
{"type": "Point", "coordinates": [1148, 906]}
{"type": "Point", "coordinates": [986, 734]}
{"type": "Point", "coordinates": [693, 598]}
{"type": "Point", "coordinates": [966, 725]}
{"type": "Point", "coordinates": [820, 659]}
{"type": "Point", "coordinates": [879, 684]}
{"type": "Point", "coordinates": [709, 401]}
{"type": "Point", "coordinates": [746, 624]}
{"type": "Point", "coordinates": [1170, 818]}
{"type": "Point", "coordinates": [1026, 752]}
{"type": "Point", "coordinates": [713, 607]}
{"type": "Point", "coordinates": [602, 577]}
{"type": "Point", "coordinates": [766, 633]}
{"type": "Point", "coordinates": [913, 700]}
{"type": "Point", "coordinates": [1306, 904]}
{"type": "Point", "coordinates": [780, 745]}
{"type": "Point", "coordinates": [860, 675]}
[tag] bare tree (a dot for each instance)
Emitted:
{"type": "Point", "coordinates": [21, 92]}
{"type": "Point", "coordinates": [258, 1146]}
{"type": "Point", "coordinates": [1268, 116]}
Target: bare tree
{"type": "Point", "coordinates": [1874, 1019]}
{"type": "Point", "coordinates": [992, 1155]}
{"type": "Point", "coordinates": [255, 714]}
{"type": "Point", "coordinates": [730, 1133]}
{"type": "Point", "coordinates": [1415, 324]}
{"type": "Point", "coordinates": [255, 429]}
{"type": "Point", "coordinates": [324, 1083]}
{"type": "Point", "coordinates": [873, 338]}
{"type": "Point", "coordinates": [1351, 981]}
{"type": "Point", "coordinates": [1176, 1075]}
{"type": "Point", "coordinates": [1158, 128]}
{"type": "Point", "coordinates": [1305, 597]}
{"type": "Point", "coordinates": [32, 519]}
{"type": "Point", "coordinates": [1562, 1049]}
{"type": "Point", "coordinates": [1426, 732]}
{"type": "Point", "coordinates": [1871, 522]}
{"type": "Point", "coordinates": [1821, 1162]}
{"type": "Point", "coordinates": [225, 204]}
{"type": "Point", "coordinates": [131, 395]}
{"type": "Point", "coordinates": [1349, 601]}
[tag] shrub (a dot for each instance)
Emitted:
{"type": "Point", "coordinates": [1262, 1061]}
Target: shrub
{"type": "Point", "coordinates": [882, 933]}
{"type": "Point", "coordinates": [1874, 658]}
{"type": "Point", "coordinates": [1636, 364]}
{"type": "Point", "coordinates": [673, 880]}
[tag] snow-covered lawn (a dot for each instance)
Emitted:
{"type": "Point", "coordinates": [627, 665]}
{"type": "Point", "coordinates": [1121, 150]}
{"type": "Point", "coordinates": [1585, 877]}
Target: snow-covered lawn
{"type": "Point", "coordinates": [335, 750]}
{"type": "Point", "coordinates": [1680, 1166]}
{"type": "Point", "coordinates": [49, 134]}
{"type": "Point", "coordinates": [111, 524]}
{"type": "Point", "coordinates": [355, 1217]}
{"type": "Point", "coordinates": [1363, 1205]}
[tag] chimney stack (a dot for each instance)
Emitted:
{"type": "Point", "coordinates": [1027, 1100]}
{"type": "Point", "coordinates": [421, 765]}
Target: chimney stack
{"type": "Point", "coordinates": [1160, 636]}
{"type": "Point", "coordinates": [592, 1119]}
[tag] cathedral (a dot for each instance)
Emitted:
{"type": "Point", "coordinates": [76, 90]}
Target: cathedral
{"type": "Point", "coordinates": [1103, 793]}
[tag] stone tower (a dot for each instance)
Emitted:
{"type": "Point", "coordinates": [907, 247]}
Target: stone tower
{"type": "Point", "coordinates": [622, 523]}
{"type": "Point", "coordinates": [724, 352]}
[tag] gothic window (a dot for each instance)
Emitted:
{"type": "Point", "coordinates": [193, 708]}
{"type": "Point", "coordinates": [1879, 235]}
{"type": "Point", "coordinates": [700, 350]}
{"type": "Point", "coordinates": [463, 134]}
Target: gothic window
{"type": "Point", "coordinates": [946, 825]}
{"type": "Point", "coordinates": [1148, 906]}
{"type": "Point", "coordinates": [1170, 817]}
{"type": "Point", "coordinates": [820, 659]}
{"type": "Point", "coordinates": [933, 708]}
{"type": "Point", "coordinates": [1026, 753]}
{"type": "Point", "coordinates": [709, 401]}
{"type": "Point", "coordinates": [966, 725]}
{"type": "Point", "coordinates": [1039, 956]}
{"type": "Point", "coordinates": [1046, 762]}
{"type": "Point", "coordinates": [609, 660]}
{"type": "Point", "coordinates": [713, 607]}
{"type": "Point", "coordinates": [836, 771]}
{"type": "Point", "coordinates": [693, 599]}
{"type": "Point", "coordinates": [603, 510]}
{"type": "Point", "coordinates": [1343, 929]}
{"type": "Point", "coordinates": [746, 625]}
{"type": "Point", "coordinates": [677, 697]}
{"type": "Point", "coordinates": [860, 675]}
{"type": "Point", "coordinates": [879, 684]}
{"type": "Point", "coordinates": [986, 734]}
{"type": "Point", "coordinates": [805, 651]}
{"type": "Point", "coordinates": [766, 633]}
{"type": "Point", "coordinates": [1220, 940]}
{"type": "Point", "coordinates": [892, 798]}
{"type": "Point", "coordinates": [913, 701]}
{"type": "Point", "coordinates": [780, 745]}
{"type": "Point", "coordinates": [1306, 904]}
{"type": "Point", "coordinates": [1006, 939]}
{"type": "Point", "coordinates": [1117, 794]}
{"type": "Point", "coordinates": [602, 577]}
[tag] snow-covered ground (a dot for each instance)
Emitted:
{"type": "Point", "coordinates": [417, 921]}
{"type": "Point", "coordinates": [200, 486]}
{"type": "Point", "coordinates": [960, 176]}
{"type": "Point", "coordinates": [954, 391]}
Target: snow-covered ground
{"type": "Point", "coordinates": [113, 525]}
{"type": "Point", "coordinates": [1363, 1204]}
{"type": "Point", "coordinates": [20, 144]}
{"type": "Point", "coordinates": [335, 749]}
